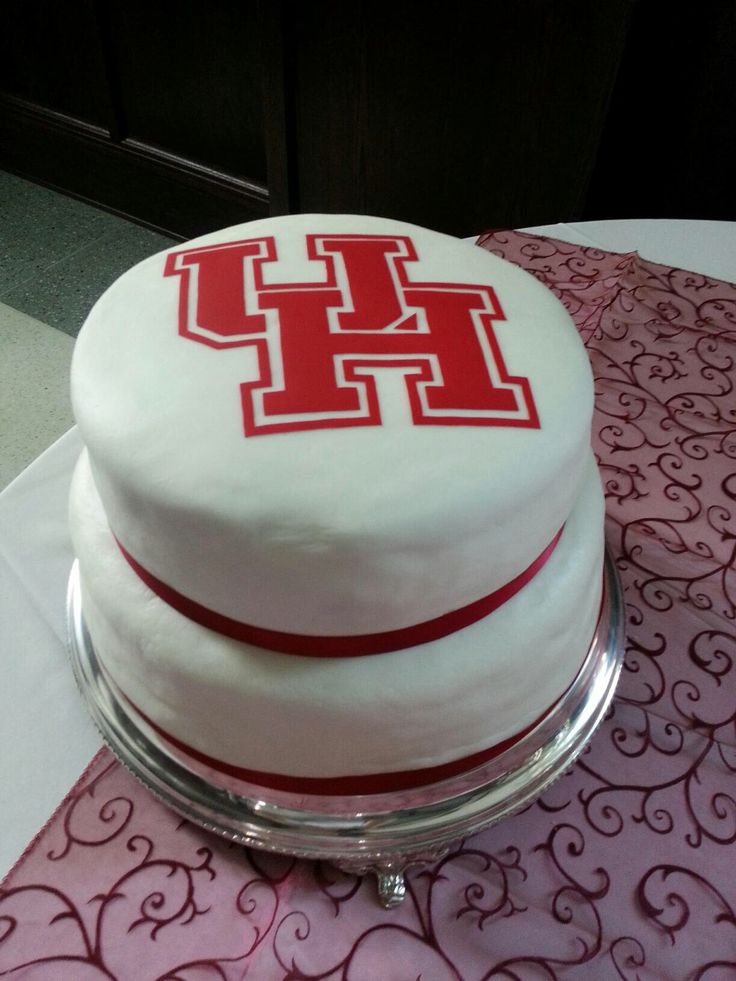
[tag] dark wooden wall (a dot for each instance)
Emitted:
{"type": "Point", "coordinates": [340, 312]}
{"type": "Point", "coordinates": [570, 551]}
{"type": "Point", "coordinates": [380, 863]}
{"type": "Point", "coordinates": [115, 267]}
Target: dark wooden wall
{"type": "Point", "coordinates": [668, 148]}
{"type": "Point", "coordinates": [459, 116]}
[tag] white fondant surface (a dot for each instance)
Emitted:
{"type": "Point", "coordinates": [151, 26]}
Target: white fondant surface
{"type": "Point", "coordinates": [335, 531]}
{"type": "Point", "coordinates": [325, 717]}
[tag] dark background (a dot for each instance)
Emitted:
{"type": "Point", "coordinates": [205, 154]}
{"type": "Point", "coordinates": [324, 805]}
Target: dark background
{"type": "Point", "coordinates": [460, 116]}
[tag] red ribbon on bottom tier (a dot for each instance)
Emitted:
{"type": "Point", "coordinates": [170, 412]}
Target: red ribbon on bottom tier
{"type": "Point", "coordinates": [354, 784]}
{"type": "Point", "coordinates": [347, 786]}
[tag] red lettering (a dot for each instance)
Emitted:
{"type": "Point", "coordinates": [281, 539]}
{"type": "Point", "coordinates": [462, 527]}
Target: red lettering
{"type": "Point", "coordinates": [214, 305]}
{"type": "Point", "coordinates": [318, 343]}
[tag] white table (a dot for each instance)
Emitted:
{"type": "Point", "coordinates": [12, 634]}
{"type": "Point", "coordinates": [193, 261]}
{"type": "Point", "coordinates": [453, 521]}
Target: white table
{"type": "Point", "coordinates": [45, 734]}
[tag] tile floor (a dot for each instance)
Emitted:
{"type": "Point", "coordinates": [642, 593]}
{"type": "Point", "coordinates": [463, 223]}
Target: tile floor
{"type": "Point", "coordinates": [57, 255]}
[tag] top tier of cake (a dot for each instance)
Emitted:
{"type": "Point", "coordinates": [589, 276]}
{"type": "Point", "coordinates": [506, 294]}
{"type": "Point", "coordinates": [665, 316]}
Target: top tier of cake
{"type": "Point", "coordinates": [332, 425]}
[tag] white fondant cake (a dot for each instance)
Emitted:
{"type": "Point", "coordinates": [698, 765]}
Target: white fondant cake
{"type": "Point", "coordinates": [419, 707]}
{"type": "Point", "coordinates": [336, 435]}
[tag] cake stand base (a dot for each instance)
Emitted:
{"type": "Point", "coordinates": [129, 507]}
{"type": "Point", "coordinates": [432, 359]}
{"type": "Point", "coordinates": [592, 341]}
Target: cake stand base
{"type": "Point", "coordinates": [382, 834]}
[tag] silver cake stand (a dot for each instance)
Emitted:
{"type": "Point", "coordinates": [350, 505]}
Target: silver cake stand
{"type": "Point", "coordinates": [379, 833]}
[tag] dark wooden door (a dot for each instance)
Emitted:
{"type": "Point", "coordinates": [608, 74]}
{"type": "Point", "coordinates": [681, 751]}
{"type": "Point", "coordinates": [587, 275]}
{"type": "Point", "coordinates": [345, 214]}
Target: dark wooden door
{"type": "Point", "coordinates": [459, 116]}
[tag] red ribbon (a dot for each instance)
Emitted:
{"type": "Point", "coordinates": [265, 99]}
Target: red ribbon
{"type": "Point", "coordinates": [349, 786]}
{"type": "Point", "coordinates": [355, 645]}
{"type": "Point", "coordinates": [358, 784]}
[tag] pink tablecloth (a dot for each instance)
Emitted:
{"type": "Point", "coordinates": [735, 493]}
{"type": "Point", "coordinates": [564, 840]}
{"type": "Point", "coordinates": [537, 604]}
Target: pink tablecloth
{"type": "Point", "coordinates": [624, 869]}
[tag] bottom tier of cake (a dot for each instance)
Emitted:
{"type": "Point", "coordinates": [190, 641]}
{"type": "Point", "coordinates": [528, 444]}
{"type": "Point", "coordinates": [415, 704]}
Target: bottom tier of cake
{"type": "Point", "coordinates": [281, 719]}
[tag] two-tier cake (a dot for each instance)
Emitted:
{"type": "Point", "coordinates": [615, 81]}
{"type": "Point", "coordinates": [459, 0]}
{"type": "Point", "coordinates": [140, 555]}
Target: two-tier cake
{"type": "Point", "coordinates": [338, 522]}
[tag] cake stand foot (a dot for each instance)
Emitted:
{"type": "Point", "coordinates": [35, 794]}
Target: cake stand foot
{"type": "Point", "coordinates": [391, 885]}
{"type": "Point", "coordinates": [390, 871]}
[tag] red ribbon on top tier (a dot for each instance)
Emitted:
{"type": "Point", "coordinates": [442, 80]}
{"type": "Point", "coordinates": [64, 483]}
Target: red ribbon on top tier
{"type": "Point", "coordinates": [356, 645]}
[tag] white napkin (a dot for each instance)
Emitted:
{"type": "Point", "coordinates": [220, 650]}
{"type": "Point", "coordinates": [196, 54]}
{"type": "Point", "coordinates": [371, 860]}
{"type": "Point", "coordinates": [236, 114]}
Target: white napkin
{"type": "Point", "coordinates": [46, 736]}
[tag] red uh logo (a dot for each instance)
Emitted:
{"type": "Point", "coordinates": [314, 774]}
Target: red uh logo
{"type": "Point", "coordinates": [321, 345]}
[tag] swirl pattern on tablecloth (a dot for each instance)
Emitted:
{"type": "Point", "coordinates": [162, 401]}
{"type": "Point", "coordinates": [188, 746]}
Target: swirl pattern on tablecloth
{"type": "Point", "coordinates": [623, 869]}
